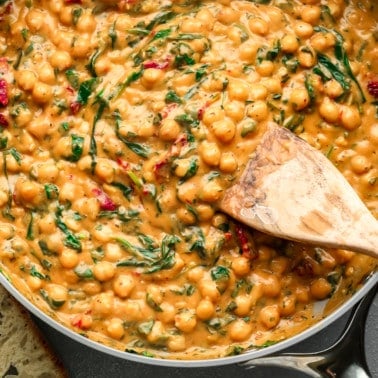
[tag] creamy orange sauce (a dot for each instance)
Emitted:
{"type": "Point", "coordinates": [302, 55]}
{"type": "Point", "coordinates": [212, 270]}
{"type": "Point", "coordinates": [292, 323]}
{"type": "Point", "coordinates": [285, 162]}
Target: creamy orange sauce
{"type": "Point", "coordinates": [122, 124]}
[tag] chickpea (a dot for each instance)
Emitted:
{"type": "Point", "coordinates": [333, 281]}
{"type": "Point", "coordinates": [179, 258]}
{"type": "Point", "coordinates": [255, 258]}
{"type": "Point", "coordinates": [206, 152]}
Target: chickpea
{"type": "Point", "coordinates": [34, 283]}
{"type": "Point", "coordinates": [182, 166]}
{"type": "Point", "coordinates": [303, 29]}
{"type": "Point", "coordinates": [265, 253]}
{"type": "Point", "coordinates": [235, 110]}
{"type": "Point", "coordinates": [103, 303]}
{"type": "Point", "coordinates": [235, 35]}
{"type": "Point", "coordinates": [210, 153]}
{"type": "Point", "coordinates": [289, 43]}
{"type": "Point", "coordinates": [258, 26]}
{"type": "Point", "coordinates": [195, 274]}
{"type": "Point", "coordinates": [54, 242]}
{"type": "Point", "coordinates": [258, 111]}
{"type": "Point", "coordinates": [104, 271]}
{"type": "Point", "coordinates": [258, 92]}
{"type": "Point", "coordinates": [151, 77]}
{"type": "Point", "coordinates": [167, 315]}
{"type": "Point", "coordinates": [29, 191]}
{"type": "Point", "coordinates": [67, 192]}
{"type": "Point", "coordinates": [271, 284]}
{"type": "Point", "coordinates": [57, 293]}
{"type": "Point", "coordinates": [228, 15]}
{"type": "Point", "coordinates": [68, 258]}
{"type": "Point", "coordinates": [46, 73]}
{"type": "Point", "coordinates": [279, 264]}
{"type": "Point", "coordinates": [320, 288]}
{"type": "Point", "coordinates": [238, 90]}
{"type": "Point", "coordinates": [115, 328]}
{"type": "Point", "coordinates": [35, 20]}
{"type": "Point", "coordinates": [319, 42]}
{"type": "Point", "coordinates": [103, 65]}
{"type": "Point", "coordinates": [105, 170]}
{"type": "Point", "coordinates": [176, 343]}
{"type": "Point", "coordinates": [287, 305]}
{"type": "Point", "coordinates": [3, 199]}
{"type": "Point", "coordinates": [157, 334]}
{"type": "Point", "coordinates": [224, 130]}
{"type": "Point", "coordinates": [211, 191]}
{"type": "Point", "coordinates": [23, 117]}
{"type": "Point", "coordinates": [302, 294]}
{"type": "Point", "coordinates": [19, 245]}
{"type": "Point", "coordinates": [46, 172]}
{"type": "Point", "coordinates": [306, 58]}
{"type": "Point", "coordinates": [329, 110]}
{"type": "Point", "coordinates": [243, 303]}
{"type": "Point", "coordinates": [187, 192]}
{"type": "Point", "coordinates": [265, 68]}
{"type": "Point", "coordinates": [123, 285]}
{"type": "Point", "coordinates": [206, 18]}
{"type": "Point", "coordinates": [186, 321]}
{"type": "Point", "coordinates": [60, 60]}
{"type": "Point", "coordinates": [344, 256]}
{"type": "Point", "coordinates": [191, 25]}
{"type": "Point", "coordinates": [205, 212]}
{"type": "Point", "coordinates": [113, 252]}
{"type": "Point", "coordinates": [228, 162]}
{"type": "Point", "coordinates": [81, 48]}
{"type": "Point", "coordinates": [241, 266]}
{"type": "Point", "coordinates": [82, 321]}
{"type": "Point", "coordinates": [333, 88]}
{"type": "Point", "coordinates": [208, 289]}
{"type": "Point", "coordinates": [86, 23]}
{"type": "Point", "coordinates": [248, 50]}
{"type": "Point", "coordinates": [360, 164]}
{"type": "Point", "coordinates": [26, 79]}
{"type": "Point", "coordinates": [269, 316]}
{"type": "Point", "coordinates": [212, 114]}
{"type": "Point", "coordinates": [92, 288]}
{"type": "Point", "coordinates": [90, 208]}
{"type": "Point", "coordinates": [42, 93]}
{"type": "Point", "coordinates": [311, 14]}
{"type": "Point", "coordinates": [273, 85]}
{"type": "Point", "coordinates": [205, 309]}
{"type": "Point", "coordinates": [350, 117]}
{"type": "Point", "coordinates": [185, 216]}
{"type": "Point", "coordinates": [373, 134]}
{"type": "Point", "coordinates": [65, 16]}
{"type": "Point", "coordinates": [239, 330]}
{"type": "Point", "coordinates": [169, 130]}
{"type": "Point", "coordinates": [299, 98]}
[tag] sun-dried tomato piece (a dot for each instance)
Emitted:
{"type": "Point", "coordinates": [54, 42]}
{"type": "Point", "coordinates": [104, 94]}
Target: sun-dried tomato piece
{"type": "Point", "coordinates": [246, 246]}
{"type": "Point", "coordinates": [373, 88]}
{"type": "Point", "coordinates": [304, 268]}
{"type": "Point", "coordinates": [3, 92]}
{"type": "Point", "coordinates": [3, 120]}
{"type": "Point", "coordinates": [75, 106]}
{"type": "Point", "coordinates": [73, 1]}
{"type": "Point", "coordinates": [106, 203]}
{"type": "Point", "coordinates": [165, 112]}
{"type": "Point", "coordinates": [6, 10]}
{"type": "Point", "coordinates": [123, 164]}
{"type": "Point", "coordinates": [161, 169]}
{"type": "Point", "coordinates": [158, 65]}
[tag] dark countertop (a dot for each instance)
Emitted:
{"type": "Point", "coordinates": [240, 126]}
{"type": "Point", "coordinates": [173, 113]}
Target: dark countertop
{"type": "Point", "coordinates": [83, 362]}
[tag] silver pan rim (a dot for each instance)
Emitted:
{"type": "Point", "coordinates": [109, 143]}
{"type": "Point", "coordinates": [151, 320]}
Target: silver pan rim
{"type": "Point", "coordinates": [369, 283]}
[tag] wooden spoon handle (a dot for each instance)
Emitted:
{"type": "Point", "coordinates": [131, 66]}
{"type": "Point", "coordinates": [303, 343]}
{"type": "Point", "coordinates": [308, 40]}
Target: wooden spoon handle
{"type": "Point", "coordinates": [292, 191]}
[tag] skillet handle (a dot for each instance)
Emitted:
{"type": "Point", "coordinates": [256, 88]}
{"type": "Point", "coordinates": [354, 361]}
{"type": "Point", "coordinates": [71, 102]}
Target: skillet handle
{"type": "Point", "coordinates": [344, 359]}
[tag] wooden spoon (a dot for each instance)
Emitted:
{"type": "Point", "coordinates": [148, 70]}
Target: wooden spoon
{"type": "Point", "coordinates": [292, 191]}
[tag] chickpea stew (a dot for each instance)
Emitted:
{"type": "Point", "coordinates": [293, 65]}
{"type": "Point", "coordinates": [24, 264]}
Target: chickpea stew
{"type": "Point", "coordinates": [123, 122]}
